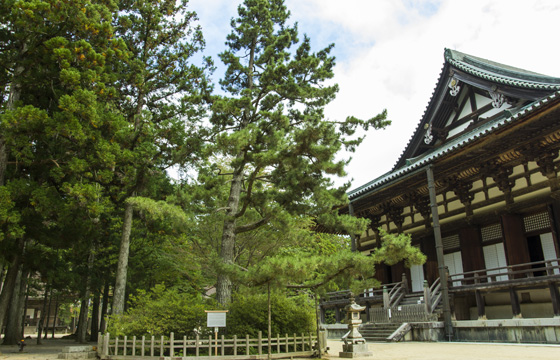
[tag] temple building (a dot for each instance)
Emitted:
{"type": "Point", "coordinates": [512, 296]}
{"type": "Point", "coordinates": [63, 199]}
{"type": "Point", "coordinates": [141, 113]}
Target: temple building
{"type": "Point", "coordinates": [477, 188]}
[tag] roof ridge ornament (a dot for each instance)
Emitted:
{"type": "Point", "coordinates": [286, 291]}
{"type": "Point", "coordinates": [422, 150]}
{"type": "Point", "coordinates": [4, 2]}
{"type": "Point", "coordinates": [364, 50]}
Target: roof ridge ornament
{"type": "Point", "coordinates": [497, 98]}
{"type": "Point", "coordinates": [429, 136]}
{"type": "Point", "coordinates": [454, 87]}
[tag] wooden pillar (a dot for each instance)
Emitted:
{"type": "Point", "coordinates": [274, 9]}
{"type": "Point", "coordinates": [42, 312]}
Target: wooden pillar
{"type": "Point", "coordinates": [517, 250]}
{"type": "Point", "coordinates": [471, 249]}
{"type": "Point", "coordinates": [555, 298]}
{"type": "Point", "coordinates": [396, 272]}
{"type": "Point", "coordinates": [480, 306]}
{"type": "Point", "coordinates": [322, 314]}
{"type": "Point", "coordinates": [428, 247]}
{"type": "Point", "coordinates": [515, 307]}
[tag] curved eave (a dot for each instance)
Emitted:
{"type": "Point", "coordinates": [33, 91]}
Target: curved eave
{"type": "Point", "coordinates": [451, 147]}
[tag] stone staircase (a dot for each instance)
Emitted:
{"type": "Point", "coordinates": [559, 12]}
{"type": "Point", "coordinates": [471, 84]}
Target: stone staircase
{"type": "Point", "coordinates": [378, 332]}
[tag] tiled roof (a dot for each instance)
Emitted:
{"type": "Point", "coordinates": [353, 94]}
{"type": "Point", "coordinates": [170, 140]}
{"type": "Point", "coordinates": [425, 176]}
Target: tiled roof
{"type": "Point", "coordinates": [457, 143]}
{"type": "Point", "coordinates": [500, 73]}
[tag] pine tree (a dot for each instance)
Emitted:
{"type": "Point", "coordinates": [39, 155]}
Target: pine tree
{"type": "Point", "coordinates": [271, 127]}
{"type": "Point", "coordinates": [162, 100]}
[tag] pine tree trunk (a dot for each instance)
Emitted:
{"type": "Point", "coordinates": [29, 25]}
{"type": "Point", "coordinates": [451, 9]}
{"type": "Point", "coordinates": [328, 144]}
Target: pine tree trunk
{"type": "Point", "coordinates": [224, 285]}
{"type": "Point", "coordinates": [104, 308]}
{"type": "Point", "coordinates": [10, 283]}
{"type": "Point", "coordinates": [46, 328]}
{"type": "Point", "coordinates": [43, 315]}
{"type": "Point", "coordinates": [95, 316]}
{"type": "Point", "coordinates": [13, 331]}
{"type": "Point", "coordinates": [83, 322]}
{"type": "Point", "coordinates": [122, 266]}
{"type": "Point", "coordinates": [56, 305]}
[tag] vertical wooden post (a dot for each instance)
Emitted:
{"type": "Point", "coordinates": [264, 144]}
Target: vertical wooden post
{"type": "Point", "coordinates": [143, 346]}
{"type": "Point", "coordinates": [116, 346]}
{"type": "Point", "coordinates": [210, 345]}
{"type": "Point", "coordinates": [480, 305]}
{"type": "Point", "coordinates": [197, 348]}
{"type": "Point", "coordinates": [171, 344]}
{"type": "Point", "coordinates": [161, 346]}
{"type": "Point", "coordinates": [152, 346]}
{"type": "Point", "coordinates": [555, 298]}
{"type": "Point", "coordinates": [295, 342]}
{"type": "Point", "coordinates": [247, 345]}
{"type": "Point", "coordinates": [223, 346]}
{"type": "Point", "coordinates": [427, 298]}
{"type": "Point", "coordinates": [337, 314]}
{"type": "Point", "coordinates": [515, 307]}
{"type": "Point", "coordinates": [134, 345]}
{"type": "Point", "coordinates": [260, 343]}
{"type": "Point", "coordinates": [106, 344]}
{"type": "Point", "coordinates": [184, 345]}
{"type": "Point", "coordinates": [125, 343]}
{"type": "Point", "coordinates": [234, 345]}
{"type": "Point", "coordinates": [385, 297]}
{"type": "Point", "coordinates": [278, 343]}
{"type": "Point", "coordinates": [404, 283]}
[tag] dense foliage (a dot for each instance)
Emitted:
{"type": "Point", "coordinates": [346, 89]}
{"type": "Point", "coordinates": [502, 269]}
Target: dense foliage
{"type": "Point", "coordinates": [290, 315]}
{"type": "Point", "coordinates": [99, 99]}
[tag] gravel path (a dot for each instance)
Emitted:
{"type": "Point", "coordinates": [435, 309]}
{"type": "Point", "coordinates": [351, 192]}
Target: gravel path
{"type": "Point", "coordinates": [381, 351]}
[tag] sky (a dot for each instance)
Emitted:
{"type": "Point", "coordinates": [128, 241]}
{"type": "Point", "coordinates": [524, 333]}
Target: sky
{"type": "Point", "coordinates": [390, 54]}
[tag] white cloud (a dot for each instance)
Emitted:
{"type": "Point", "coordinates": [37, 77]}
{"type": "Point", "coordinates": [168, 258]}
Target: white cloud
{"type": "Point", "coordinates": [390, 54]}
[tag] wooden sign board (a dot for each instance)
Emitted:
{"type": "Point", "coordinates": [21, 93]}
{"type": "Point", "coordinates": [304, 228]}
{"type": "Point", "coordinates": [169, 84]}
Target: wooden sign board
{"type": "Point", "coordinates": [216, 318]}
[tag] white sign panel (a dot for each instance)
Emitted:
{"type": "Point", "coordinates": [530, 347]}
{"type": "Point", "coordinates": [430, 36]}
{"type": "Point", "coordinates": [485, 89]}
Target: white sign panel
{"type": "Point", "coordinates": [216, 319]}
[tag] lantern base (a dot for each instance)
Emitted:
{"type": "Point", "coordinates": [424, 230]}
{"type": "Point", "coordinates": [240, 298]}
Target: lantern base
{"type": "Point", "coordinates": [354, 351]}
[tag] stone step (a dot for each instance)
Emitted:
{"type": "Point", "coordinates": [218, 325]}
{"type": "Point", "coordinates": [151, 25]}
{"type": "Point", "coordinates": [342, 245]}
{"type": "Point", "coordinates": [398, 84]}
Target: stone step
{"type": "Point", "coordinates": [78, 352]}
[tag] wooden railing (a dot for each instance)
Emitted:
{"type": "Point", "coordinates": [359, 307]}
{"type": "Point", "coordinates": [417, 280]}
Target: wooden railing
{"type": "Point", "coordinates": [432, 295]}
{"type": "Point", "coordinates": [511, 274]}
{"type": "Point", "coordinates": [281, 347]}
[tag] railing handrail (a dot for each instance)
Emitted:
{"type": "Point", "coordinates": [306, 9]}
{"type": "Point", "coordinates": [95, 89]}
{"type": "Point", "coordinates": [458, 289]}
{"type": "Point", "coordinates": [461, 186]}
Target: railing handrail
{"type": "Point", "coordinates": [510, 270]}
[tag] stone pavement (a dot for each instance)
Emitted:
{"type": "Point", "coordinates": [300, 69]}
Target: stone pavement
{"type": "Point", "coordinates": [451, 351]}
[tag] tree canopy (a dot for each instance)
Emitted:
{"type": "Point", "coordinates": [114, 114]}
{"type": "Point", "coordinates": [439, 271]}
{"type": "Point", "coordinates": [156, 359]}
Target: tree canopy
{"type": "Point", "coordinates": [102, 100]}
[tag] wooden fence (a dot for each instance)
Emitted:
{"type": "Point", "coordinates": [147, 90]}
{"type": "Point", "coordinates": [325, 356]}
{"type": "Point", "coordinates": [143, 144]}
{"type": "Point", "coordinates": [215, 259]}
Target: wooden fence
{"type": "Point", "coordinates": [205, 348]}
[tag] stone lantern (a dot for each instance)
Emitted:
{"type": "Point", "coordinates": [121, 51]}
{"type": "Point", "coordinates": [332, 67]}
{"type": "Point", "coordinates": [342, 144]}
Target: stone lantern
{"type": "Point", "coordinates": [354, 343]}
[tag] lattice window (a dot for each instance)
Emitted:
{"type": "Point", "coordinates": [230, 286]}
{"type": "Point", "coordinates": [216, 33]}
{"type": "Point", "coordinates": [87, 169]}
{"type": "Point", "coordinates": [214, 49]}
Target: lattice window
{"type": "Point", "coordinates": [536, 222]}
{"type": "Point", "coordinates": [491, 232]}
{"type": "Point", "coordinates": [450, 242]}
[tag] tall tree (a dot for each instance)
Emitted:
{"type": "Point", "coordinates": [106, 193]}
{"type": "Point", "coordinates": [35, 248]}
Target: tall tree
{"type": "Point", "coordinates": [162, 97]}
{"type": "Point", "coordinates": [271, 127]}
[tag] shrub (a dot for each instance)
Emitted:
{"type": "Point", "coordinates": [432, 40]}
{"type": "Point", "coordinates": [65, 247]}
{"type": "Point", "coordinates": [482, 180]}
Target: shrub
{"type": "Point", "coordinates": [249, 315]}
{"type": "Point", "coordinates": [160, 312]}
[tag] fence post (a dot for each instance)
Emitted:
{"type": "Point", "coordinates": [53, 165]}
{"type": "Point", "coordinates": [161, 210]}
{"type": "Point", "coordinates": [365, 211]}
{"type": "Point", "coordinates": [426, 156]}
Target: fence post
{"type": "Point", "coordinates": [184, 345]}
{"type": "Point", "coordinates": [234, 345]}
{"type": "Point", "coordinates": [134, 345]}
{"type": "Point", "coordinates": [116, 345]}
{"type": "Point", "coordinates": [223, 346]}
{"type": "Point", "coordinates": [143, 345]}
{"type": "Point", "coordinates": [161, 346]}
{"type": "Point", "coordinates": [295, 342]}
{"type": "Point", "coordinates": [210, 345]}
{"type": "Point", "coordinates": [171, 344]}
{"type": "Point", "coordinates": [260, 343]}
{"type": "Point", "coordinates": [385, 297]}
{"type": "Point", "coordinates": [427, 298]}
{"type": "Point", "coordinates": [106, 344]}
{"type": "Point", "coordinates": [247, 344]}
{"type": "Point", "coordinates": [278, 343]}
{"type": "Point", "coordinates": [124, 345]}
{"type": "Point", "coordinates": [197, 349]}
{"type": "Point", "coordinates": [152, 346]}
